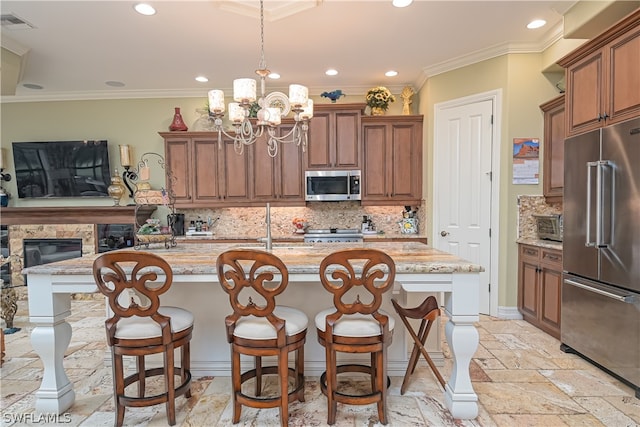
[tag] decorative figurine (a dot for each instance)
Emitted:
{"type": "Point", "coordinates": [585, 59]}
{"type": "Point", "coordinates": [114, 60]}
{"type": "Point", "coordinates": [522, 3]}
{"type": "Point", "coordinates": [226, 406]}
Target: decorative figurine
{"type": "Point", "coordinates": [333, 96]}
{"type": "Point", "coordinates": [406, 95]}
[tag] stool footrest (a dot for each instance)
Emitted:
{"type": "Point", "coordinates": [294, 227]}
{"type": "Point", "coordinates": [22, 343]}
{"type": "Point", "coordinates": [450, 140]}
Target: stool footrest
{"type": "Point", "coordinates": [274, 401]}
{"type": "Point", "coordinates": [362, 399]}
{"type": "Point", "coordinates": [133, 401]}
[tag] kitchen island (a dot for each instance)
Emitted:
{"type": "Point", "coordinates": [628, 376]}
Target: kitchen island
{"type": "Point", "coordinates": [419, 268]}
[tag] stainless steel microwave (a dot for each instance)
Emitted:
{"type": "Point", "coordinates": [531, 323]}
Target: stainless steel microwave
{"type": "Point", "coordinates": [332, 186]}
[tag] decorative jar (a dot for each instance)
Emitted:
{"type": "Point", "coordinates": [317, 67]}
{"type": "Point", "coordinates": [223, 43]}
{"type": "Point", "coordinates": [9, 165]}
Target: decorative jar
{"type": "Point", "coordinates": [408, 225]}
{"type": "Point", "coordinates": [177, 124]}
{"type": "Point", "coordinates": [116, 189]}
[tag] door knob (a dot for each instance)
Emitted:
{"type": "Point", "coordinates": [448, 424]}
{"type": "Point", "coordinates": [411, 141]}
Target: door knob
{"type": "Point", "coordinates": [444, 233]}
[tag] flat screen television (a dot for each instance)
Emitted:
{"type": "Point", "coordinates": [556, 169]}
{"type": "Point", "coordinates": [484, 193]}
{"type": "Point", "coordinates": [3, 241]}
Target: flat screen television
{"type": "Point", "coordinates": [49, 169]}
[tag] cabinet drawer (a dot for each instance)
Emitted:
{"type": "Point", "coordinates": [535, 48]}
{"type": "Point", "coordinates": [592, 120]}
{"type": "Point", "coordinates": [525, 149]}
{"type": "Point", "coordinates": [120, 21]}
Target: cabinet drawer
{"type": "Point", "coordinates": [552, 257]}
{"type": "Point", "coordinates": [530, 252]}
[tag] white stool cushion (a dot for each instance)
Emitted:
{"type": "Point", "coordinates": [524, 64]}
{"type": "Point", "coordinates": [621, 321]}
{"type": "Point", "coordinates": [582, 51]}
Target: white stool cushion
{"type": "Point", "coordinates": [136, 327]}
{"type": "Point", "coordinates": [353, 325]}
{"type": "Point", "coordinates": [259, 328]}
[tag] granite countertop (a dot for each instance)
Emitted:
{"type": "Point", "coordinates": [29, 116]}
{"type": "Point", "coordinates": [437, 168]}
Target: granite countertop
{"type": "Point", "coordinates": [549, 244]}
{"type": "Point", "coordinates": [199, 258]}
{"type": "Point", "coordinates": [293, 237]}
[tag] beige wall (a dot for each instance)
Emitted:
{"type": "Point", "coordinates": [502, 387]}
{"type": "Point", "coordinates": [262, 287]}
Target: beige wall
{"type": "Point", "coordinates": [135, 122]}
{"type": "Point", "coordinates": [524, 88]}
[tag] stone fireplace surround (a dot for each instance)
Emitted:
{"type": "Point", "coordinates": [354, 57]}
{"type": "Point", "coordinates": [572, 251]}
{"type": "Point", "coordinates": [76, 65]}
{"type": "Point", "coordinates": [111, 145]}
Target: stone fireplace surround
{"type": "Point", "coordinates": [60, 223]}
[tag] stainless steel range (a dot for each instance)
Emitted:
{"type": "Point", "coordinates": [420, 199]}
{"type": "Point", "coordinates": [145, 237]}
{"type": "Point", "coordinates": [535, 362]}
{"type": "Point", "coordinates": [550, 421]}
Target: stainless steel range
{"type": "Point", "coordinates": [329, 235]}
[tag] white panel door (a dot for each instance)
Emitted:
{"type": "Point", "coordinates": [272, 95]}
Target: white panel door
{"type": "Point", "coordinates": [462, 186]}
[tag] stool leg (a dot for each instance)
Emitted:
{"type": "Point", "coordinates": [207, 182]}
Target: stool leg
{"type": "Point", "coordinates": [140, 366]}
{"type": "Point", "coordinates": [235, 380]}
{"type": "Point", "coordinates": [169, 363]}
{"type": "Point", "coordinates": [186, 366]}
{"type": "Point", "coordinates": [283, 376]}
{"type": "Point", "coordinates": [118, 387]}
{"type": "Point", "coordinates": [258, 362]}
{"type": "Point", "coordinates": [332, 405]}
{"type": "Point", "coordinates": [300, 373]}
{"type": "Point", "coordinates": [413, 360]}
{"type": "Point", "coordinates": [381, 384]}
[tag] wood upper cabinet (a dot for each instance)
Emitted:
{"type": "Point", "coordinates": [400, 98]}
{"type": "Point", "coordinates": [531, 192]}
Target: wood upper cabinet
{"type": "Point", "coordinates": [603, 78]}
{"type": "Point", "coordinates": [553, 149]}
{"type": "Point", "coordinates": [392, 160]}
{"type": "Point", "coordinates": [202, 173]}
{"type": "Point", "coordinates": [539, 287]}
{"type": "Point", "coordinates": [280, 178]}
{"type": "Point", "coordinates": [334, 137]}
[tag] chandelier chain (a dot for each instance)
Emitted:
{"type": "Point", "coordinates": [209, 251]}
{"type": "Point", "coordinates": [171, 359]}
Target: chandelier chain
{"type": "Point", "coordinates": [263, 64]}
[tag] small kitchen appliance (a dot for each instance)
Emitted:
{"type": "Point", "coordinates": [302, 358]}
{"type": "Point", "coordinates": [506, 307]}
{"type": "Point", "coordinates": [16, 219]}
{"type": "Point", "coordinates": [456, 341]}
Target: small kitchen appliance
{"type": "Point", "coordinates": [549, 226]}
{"type": "Point", "coordinates": [333, 235]}
{"type": "Point", "coordinates": [176, 222]}
{"type": "Point", "coordinates": [332, 185]}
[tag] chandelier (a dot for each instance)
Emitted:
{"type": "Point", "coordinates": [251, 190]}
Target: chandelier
{"type": "Point", "coordinates": [268, 117]}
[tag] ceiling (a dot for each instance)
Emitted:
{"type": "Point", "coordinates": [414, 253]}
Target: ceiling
{"type": "Point", "coordinates": [72, 48]}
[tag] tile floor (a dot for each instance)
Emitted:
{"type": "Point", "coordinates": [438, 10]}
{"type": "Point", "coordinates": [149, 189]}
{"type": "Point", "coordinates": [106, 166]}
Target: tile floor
{"type": "Point", "coordinates": [519, 373]}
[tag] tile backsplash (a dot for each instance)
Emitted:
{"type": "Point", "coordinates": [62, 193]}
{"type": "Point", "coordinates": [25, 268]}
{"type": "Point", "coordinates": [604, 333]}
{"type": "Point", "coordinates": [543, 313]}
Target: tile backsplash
{"type": "Point", "coordinates": [250, 222]}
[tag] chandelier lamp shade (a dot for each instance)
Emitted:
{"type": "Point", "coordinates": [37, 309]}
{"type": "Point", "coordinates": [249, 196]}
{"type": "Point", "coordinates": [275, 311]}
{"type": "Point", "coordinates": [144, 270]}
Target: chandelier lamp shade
{"type": "Point", "coordinates": [268, 118]}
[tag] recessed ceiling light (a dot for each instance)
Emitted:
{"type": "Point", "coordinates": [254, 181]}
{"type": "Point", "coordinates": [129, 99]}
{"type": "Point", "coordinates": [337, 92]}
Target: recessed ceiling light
{"type": "Point", "coordinates": [32, 86]}
{"type": "Point", "coordinates": [202, 79]}
{"type": "Point", "coordinates": [114, 83]}
{"type": "Point", "coordinates": [391, 73]}
{"type": "Point", "coordinates": [331, 72]}
{"type": "Point", "coordinates": [274, 76]}
{"type": "Point", "coordinates": [145, 9]}
{"type": "Point", "coordinates": [536, 24]}
{"type": "Point", "coordinates": [401, 3]}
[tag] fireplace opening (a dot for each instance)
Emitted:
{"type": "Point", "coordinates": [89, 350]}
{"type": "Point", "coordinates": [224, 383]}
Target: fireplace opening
{"type": "Point", "coordinates": [46, 251]}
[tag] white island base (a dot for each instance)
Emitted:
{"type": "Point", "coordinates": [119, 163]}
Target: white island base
{"type": "Point", "coordinates": [196, 288]}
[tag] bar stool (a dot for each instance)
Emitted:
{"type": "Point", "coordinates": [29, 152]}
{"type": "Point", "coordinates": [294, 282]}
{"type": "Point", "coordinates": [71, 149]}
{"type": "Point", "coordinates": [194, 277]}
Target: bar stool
{"type": "Point", "coordinates": [133, 281]}
{"type": "Point", "coordinates": [354, 326]}
{"type": "Point", "coordinates": [428, 311]}
{"type": "Point", "coordinates": [258, 330]}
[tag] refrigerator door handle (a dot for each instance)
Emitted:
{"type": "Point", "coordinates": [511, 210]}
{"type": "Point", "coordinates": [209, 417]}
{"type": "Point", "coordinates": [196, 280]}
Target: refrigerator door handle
{"type": "Point", "coordinates": [600, 194]}
{"type": "Point", "coordinates": [627, 298]}
{"type": "Point", "coordinates": [589, 242]}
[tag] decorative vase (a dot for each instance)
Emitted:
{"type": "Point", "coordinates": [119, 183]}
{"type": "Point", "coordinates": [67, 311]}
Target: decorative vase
{"type": "Point", "coordinates": [205, 122]}
{"type": "Point", "coordinates": [116, 189]}
{"type": "Point", "coordinates": [177, 124]}
{"type": "Point", "coordinates": [377, 111]}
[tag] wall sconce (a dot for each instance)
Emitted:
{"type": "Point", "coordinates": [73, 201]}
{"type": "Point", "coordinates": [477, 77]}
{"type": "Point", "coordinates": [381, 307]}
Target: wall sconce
{"type": "Point", "coordinates": [3, 176]}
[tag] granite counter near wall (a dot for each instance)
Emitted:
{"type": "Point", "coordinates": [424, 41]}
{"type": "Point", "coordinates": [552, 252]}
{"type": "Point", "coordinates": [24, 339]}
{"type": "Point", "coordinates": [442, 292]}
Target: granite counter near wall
{"type": "Point", "coordinates": [548, 244]}
{"type": "Point", "coordinates": [529, 205]}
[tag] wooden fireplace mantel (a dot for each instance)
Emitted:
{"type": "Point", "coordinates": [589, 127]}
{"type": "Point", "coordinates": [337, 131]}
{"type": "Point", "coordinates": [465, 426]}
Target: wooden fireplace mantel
{"type": "Point", "coordinates": [74, 215]}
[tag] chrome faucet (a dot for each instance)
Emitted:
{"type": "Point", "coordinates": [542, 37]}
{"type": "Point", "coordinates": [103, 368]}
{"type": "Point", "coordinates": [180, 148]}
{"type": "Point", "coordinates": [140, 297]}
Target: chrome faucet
{"type": "Point", "coordinates": [267, 240]}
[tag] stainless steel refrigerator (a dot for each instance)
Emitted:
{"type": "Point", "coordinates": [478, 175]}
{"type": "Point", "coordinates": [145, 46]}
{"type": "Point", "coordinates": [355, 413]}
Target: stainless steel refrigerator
{"type": "Point", "coordinates": [601, 249]}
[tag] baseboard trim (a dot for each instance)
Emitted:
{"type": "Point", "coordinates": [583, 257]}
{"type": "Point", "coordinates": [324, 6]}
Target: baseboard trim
{"type": "Point", "coordinates": [509, 313]}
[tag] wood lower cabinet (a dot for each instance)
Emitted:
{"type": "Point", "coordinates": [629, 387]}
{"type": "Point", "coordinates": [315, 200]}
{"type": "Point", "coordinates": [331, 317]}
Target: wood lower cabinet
{"type": "Point", "coordinates": [392, 160]}
{"type": "Point", "coordinates": [553, 149]}
{"type": "Point", "coordinates": [539, 287]}
{"type": "Point", "coordinates": [334, 137]}
{"type": "Point", "coordinates": [204, 174]}
{"type": "Point", "coordinates": [602, 78]}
